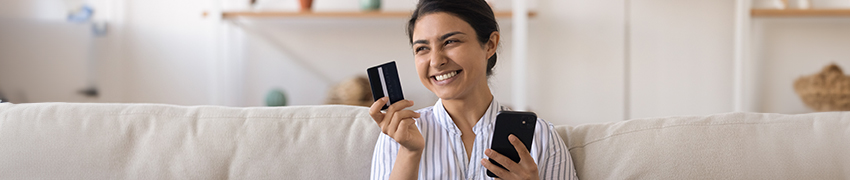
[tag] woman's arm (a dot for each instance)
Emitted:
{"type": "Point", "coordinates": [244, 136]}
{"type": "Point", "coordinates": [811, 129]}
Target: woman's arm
{"type": "Point", "coordinates": [406, 165]}
{"type": "Point", "coordinates": [399, 125]}
{"type": "Point", "coordinates": [558, 164]}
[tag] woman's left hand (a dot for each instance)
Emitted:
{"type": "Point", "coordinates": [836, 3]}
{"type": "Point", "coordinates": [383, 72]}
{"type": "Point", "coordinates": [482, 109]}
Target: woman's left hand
{"type": "Point", "coordinates": [524, 169]}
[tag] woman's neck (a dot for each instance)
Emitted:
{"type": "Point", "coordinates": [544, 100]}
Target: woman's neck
{"type": "Point", "coordinates": [470, 109]}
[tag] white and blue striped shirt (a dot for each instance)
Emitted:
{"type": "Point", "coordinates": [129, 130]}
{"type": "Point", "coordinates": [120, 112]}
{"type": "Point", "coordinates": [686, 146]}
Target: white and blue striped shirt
{"type": "Point", "coordinates": [444, 156]}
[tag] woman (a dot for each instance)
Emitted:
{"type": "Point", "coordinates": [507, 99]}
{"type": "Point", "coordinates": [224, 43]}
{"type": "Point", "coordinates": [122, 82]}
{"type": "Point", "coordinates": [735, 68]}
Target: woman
{"type": "Point", "coordinates": [454, 42]}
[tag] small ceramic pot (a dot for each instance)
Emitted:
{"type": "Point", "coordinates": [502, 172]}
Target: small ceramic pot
{"type": "Point", "coordinates": [306, 5]}
{"type": "Point", "coordinates": [370, 5]}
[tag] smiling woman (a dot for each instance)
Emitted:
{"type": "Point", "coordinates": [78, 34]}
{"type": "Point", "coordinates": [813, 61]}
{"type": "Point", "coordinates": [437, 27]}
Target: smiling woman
{"type": "Point", "coordinates": [454, 44]}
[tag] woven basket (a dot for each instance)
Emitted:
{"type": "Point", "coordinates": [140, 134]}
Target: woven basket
{"type": "Point", "coordinates": [353, 91]}
{"type": "Point", "coordinates": [828, 90]}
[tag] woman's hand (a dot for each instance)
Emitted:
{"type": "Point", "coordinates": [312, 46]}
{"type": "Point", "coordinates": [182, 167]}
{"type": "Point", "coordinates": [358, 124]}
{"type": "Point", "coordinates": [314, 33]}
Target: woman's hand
{"type": "Point", "coordinates": [398, 123]}
{"type": "Point", "coordinates": [524, 169]}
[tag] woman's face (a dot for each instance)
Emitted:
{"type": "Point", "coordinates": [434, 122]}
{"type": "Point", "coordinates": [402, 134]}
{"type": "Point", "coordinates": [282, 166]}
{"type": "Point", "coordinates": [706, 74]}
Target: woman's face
{"type": "Point", "coordinates": [450, 60]}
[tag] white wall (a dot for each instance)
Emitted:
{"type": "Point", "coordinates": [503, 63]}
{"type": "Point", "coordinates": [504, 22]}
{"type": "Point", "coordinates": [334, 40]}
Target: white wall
{"type": "Point", "coordinates": [165, 52]}
{"type": "Point", "coordinates": [681, 53]}
{"type": "Point", "coordinates": [169, 47]}
{"type": "Point", "coordinates": [576, 61]}
{"type": "Point", "coordinates": [43, 60]}
{"type": "Point", "coordinates": [154, 52]}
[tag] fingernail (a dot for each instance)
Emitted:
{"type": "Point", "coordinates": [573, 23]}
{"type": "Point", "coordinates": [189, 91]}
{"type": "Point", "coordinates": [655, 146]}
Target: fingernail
{"type": "Point", "coordinates": [487, 152]}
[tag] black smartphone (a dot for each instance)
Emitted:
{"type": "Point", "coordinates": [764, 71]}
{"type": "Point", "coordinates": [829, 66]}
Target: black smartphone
{"type": "Point", "coordinates": [384, 81]}
{"type": "Point", "coordinates": [521, 124]}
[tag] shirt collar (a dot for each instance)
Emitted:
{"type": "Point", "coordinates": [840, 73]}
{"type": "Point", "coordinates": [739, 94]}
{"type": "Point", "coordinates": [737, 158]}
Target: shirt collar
{"type": "Point", "coordinates": [485, 123]}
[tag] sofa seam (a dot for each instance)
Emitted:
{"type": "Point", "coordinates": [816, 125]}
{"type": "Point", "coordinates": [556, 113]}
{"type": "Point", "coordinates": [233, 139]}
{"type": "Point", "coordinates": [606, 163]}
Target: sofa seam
{"type": "Point", "coordinates": [181, 116]}
{"type": "Point", "coordinates": [664, 127]}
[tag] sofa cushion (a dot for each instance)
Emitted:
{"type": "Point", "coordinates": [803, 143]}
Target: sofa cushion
{"type": "Point", "coordinates": [150, 141]}
{"type": "Point", "coordinates": [722, 146]}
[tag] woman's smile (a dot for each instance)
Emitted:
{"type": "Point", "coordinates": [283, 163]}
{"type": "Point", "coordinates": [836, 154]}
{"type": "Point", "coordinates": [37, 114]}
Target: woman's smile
{"type": "Point", "coordinates": [445, 77]}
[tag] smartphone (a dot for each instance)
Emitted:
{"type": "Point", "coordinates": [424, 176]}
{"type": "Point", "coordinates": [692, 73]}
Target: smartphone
{"type": "Point", "coordinates": [384, 81]}
{"type": "Point", "coordinates": [521, 124]}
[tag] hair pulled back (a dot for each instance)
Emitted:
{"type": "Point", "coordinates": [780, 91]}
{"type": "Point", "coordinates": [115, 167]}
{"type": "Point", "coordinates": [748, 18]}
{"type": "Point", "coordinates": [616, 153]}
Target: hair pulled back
{"type": "Point", "coordinates": [476, 13]}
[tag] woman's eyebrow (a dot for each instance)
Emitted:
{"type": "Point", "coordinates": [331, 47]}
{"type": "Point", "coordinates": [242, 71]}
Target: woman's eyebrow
{"type": "Point", "coordinates": [420, 42]}
{"type": "Point", "coordinates": [443, 37]}
{"type": "Point", "coordinates": [447, 35]}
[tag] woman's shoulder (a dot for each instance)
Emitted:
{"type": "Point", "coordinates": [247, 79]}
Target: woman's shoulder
{"type": "Point", "coordinates": [541, 121]}
{"type": "Point", "coordinates": [544, 127]}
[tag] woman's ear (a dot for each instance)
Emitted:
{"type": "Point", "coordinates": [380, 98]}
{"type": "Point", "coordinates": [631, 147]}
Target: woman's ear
{"type": "Point", "coordinates": [492, 44]}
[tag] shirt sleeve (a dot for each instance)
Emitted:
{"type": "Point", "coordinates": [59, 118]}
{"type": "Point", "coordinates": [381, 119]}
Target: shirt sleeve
{"type": "Point", "coordinates": [383, 157]}
{"type": "Point", "coordinates": [558, 164]}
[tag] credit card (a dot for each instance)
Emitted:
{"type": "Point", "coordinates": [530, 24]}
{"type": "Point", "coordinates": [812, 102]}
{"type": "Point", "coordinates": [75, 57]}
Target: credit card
{"type": "Point", "coordinates": [384, 81]}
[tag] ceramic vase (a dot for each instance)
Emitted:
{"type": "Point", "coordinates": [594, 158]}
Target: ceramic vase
{"type": "Point", "coordinates": [306, 5]}
{"type": "Point", "coordinates": [370, 5]}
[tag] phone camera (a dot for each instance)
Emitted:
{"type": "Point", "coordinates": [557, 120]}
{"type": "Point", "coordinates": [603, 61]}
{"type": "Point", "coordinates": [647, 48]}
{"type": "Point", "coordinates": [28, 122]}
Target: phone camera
{"type": "Point", "coordinates": [527, 123]}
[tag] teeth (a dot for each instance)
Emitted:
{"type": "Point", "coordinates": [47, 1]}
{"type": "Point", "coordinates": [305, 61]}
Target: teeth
{"type": "Point", "coordinates": [446, 76]}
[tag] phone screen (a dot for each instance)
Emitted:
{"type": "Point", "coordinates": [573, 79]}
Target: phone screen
{"type": "Point", "coordinates": [520, 124]}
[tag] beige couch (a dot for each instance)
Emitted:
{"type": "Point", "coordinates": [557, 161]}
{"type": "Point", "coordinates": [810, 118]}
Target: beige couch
{"type": "Point", "coordinates": [149, 141]}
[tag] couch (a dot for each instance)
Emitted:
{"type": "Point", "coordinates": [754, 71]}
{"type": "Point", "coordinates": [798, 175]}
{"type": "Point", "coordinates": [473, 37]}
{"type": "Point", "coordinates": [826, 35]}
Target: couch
{"type": "Point", "coordinates": [154, 141]}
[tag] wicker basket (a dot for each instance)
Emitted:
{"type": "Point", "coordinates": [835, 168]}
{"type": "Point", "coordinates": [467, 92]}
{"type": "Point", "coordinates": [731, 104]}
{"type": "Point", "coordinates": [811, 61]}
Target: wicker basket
{"type": "Point", "coordinates": [354, 91]}
{"type": "Point", "coordinates": [828, 90]}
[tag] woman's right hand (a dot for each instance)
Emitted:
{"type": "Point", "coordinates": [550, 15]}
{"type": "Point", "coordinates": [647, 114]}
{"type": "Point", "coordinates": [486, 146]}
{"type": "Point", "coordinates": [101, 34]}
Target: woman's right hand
{"type": "Point", "coordinates": [398, 123]}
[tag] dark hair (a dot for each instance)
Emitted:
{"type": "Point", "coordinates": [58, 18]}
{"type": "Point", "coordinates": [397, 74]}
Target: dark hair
{"type": "Point", "coordinates": [475, 12]}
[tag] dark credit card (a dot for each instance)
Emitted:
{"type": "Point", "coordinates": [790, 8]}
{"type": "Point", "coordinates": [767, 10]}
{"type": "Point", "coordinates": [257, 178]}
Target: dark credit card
{"type": "Point", "coordinates": [384, 82]}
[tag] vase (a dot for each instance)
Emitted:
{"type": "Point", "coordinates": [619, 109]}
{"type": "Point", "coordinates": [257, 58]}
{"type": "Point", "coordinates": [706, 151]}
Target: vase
{"type": "Point", "coordinates": [370, 5]}
{"type": "Point", "coordinates": [306, 5]}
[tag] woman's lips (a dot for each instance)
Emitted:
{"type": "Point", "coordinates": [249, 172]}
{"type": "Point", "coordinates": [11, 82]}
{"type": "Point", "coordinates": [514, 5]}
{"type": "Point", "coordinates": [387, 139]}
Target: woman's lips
{"type": "Point", "coordinates": [445, 78]}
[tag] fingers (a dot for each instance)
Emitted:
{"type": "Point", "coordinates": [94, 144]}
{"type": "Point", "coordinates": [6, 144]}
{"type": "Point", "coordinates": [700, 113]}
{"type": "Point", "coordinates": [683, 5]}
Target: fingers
{"type": "Point", "coordinates": [520, 147]}
{"type": "Point", "coordinates": [398, 117]}
{"type": "Point", "coordinates": [399, 105]}
{"type": "Point", "coordinates": [502, 173]}
{"type": "Point", "coordinates": [375, 110]}
{"type": "Point", "coordinates": [524, 169]}
{"type": "Point", "coordinates": [404, 127]}
{"type": "Point", "coordinates": [506, 162]}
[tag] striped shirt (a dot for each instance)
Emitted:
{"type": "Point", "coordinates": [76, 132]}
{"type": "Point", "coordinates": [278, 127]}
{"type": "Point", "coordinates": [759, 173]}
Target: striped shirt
{"type": "Point", "coordinates": [444, 156]}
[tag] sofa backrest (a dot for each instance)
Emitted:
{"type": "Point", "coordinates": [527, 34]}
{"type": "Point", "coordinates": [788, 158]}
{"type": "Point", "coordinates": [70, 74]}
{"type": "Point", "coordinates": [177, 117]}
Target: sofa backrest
{"type": "Point", "coordinates": [149, 141]}
{"type": "Point", "coordinates": [722, 146]}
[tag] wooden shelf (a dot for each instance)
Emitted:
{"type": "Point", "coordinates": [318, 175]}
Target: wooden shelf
{"type": "Point", "coordinates": [353, 14]}
{"type": "Point", "coordinates": [800, 12]}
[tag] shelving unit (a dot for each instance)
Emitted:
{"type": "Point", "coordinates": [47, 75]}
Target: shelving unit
{"type": "Point", "coordinates": [744, 17]}
{"type": "Point", "coordinates": [518, 16]}
{"type": "Point", "coordinates": [351, 14]}
{"type": "Point", "coordinates": [799, 12]}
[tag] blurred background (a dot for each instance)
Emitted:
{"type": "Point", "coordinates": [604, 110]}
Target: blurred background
{"type": "Point", "coordinates": [588, 61]}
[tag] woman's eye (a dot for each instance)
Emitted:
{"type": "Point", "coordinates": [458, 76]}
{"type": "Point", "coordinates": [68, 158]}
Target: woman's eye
{"type": "Point", "coordinates": [418, 49]}
{"type": "Point", "coordinates": [451, 41]}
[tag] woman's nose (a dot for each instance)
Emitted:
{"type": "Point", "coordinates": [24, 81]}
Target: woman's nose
{"type": "Point", "coordinates": [438, 58]}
